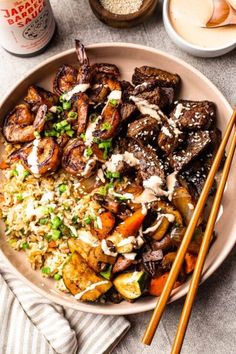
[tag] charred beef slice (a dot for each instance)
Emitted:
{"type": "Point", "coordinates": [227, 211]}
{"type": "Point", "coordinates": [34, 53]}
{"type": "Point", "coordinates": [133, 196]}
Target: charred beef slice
{"type": "Point", "coordinates": [160, 96]}
{"type": "Point", "coordinates": [144, 129]}
{"type": "Point", "coordinates": [150, 164]}
{"type": "Point", "coordinates": [127, 111]}
{"type": "Point", "coordinates": [169, 138]}
{"type": "Point", "coordinates": [196, 143]}
{"type": "Point", "coordinates": [153, 75]}
{"type": "Point", "coordinates": [127, 90]}
{"type": "Point", "coordinates": [193, 115]}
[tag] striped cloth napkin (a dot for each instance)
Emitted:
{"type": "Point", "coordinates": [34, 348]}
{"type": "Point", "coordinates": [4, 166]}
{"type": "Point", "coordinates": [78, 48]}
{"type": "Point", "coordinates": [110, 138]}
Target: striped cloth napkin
{"type": "Point", "coordinates": [30, 324]}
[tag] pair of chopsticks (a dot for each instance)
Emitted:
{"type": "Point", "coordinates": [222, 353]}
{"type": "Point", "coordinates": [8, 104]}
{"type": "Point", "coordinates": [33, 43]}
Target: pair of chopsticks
{"type": "Point", "coordinates": [186, 312]}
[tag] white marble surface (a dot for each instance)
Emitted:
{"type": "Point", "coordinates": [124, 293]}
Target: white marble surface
{"type": "Point", "coordinates": [212, 328]}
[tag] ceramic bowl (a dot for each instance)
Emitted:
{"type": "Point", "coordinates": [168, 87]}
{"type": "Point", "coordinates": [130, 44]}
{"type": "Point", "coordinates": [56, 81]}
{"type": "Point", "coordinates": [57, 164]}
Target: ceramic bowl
{"type": "Point", "coordinates": [194, 86]}
{"type": "Point", "coordinates": [190, 48]}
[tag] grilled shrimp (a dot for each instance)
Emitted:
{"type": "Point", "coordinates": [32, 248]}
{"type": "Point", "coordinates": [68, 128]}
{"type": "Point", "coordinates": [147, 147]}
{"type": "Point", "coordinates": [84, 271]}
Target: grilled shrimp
{"type": "Point", "coordinates": [74, 160]}
{"type": "Point", "coordinates": [104, 70]}
{"type": "Point", "coordinates": [84, 75]}
{"type": "Point", "coordinates": [39, 157]}
{"type": "Point", "coordinates": [36, 96]}
{"type": "Point", "coordinates": [65, 80]}
{"type": "Point", "coordinates": [110, 119]}
{"type": "Point", "coordinates": [21, 124]}
{"type": "Point", "coordinates": [81, 105]}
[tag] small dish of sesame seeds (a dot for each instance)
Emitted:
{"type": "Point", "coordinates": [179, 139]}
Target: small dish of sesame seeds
{"type": "Point", "coordinates": [123, 13]}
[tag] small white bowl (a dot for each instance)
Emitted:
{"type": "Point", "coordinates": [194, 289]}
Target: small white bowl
{"type": "Point", "coordinates": [189, 47]}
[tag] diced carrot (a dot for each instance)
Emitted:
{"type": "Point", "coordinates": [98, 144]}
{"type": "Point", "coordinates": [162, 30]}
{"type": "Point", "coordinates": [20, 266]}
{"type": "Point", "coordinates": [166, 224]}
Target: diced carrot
{"type": "Point", "coordinates": [52, 244]}
{"type": "Point", "coordinates": [4, 165]}
{"type": "Point", "coordinates": [2, 198]}
{"type": "Point", "coordinates": [132, 224]}
{"type": "Point", "coordinates": [157, 284]}
{"type": "Point", "coordinates": [108, 222]}
{"type": "Point", "coordinates": [190, 262]}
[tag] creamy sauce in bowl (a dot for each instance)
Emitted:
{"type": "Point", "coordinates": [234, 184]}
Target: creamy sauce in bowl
{"type": "Point", "coordinates": [188, 18]}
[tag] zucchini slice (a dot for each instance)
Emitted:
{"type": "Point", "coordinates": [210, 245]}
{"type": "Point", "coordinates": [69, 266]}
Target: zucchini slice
{"type": "Point", "coordinates": [130, 285]}
{"type": "Point", "coordinates": [79, 278]}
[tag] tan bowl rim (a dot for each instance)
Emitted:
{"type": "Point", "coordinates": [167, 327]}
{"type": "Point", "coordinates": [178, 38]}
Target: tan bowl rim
{"type": "Point", "coordinates": [177, 293]}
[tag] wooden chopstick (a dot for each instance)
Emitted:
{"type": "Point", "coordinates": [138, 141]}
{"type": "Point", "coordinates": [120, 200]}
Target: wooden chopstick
{"type": "Point", "coordinates": [175, 269]}
{"type": "Point", "coordinates": [186, 312]}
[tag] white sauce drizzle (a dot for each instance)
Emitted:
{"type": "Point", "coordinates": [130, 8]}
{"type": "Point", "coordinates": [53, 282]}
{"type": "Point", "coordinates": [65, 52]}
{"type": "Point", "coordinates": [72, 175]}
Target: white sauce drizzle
{"type": "Point", "coordinates": [115, 159]}
{"type": "Point", "coordinates": [129, 240]}
{"type": "Point", "coordinates": [155, 183]}
{"type": "Point", "coordinates": [78, 88]}
{"type": "Point", "coordinates": [89, 288]}
{"type": "Point", "coordinates": [100, 175]}
{"type": "Point", "coordinates": [87, 237]}
{"type": "Point", "coordinates": [178, 110]}
{"type": "Point", "coordinates": [115, 95]}
{"type": "Point", "coordinates": [89, 132]}
{"type": "Point", "coordinates": [171, 182]}
{"type": "Point", "coordinates": [33, 158]}
{"type": "Point", "coordinates": [147, 108]}
{"type": "Point", "coordinates": [166, 132]}
{"type": "Point", "coordinates": [106, 249]}
{"type": "Point", "coordinates": [191, 206]}
{"type": "Point", "coordinates": [99, 222]}
{"type": "Point", "coordinates": [169, 217]}
{"type": "Point", "coordinates": [88, 167]}
{"type": "Point", "coordinates": [131, 255]}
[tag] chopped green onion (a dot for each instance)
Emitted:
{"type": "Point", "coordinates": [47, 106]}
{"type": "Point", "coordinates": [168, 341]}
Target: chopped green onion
{"type": "Point", "coordinates": [66, 105]}
{"type": "Point", "coordinates": [56, 222]}
{"type": "Point", "coordinates": [51, 133]}
{"type": "Point", "coordinates": [88, 152]}
{"type": "Point", "coordinates": [46, 270]}
{"type": "Point", "coordinates": [57, 276]}
{"type": "Point", "coordinates": [112, 175]}
{"type": "Point", "coordinates": [25, 174]}
{"type": "Point", "coordinates": [93, 117]}
{"type": "Point", "coordinates": [107, 273]}
{"type": "Point", "coordinates": [103, 190]}
{"type": "Point", "coordinates": [83, 136]}
{"type": "Point", "coordinates": [43, 221]}
{"type": "Point", "coordinates": [62, 188]}
{"type": "Point", "coordinates": [106, 145]}
{"type": "Point", "coordinates": [59, 126]}
{"type": "Point", "coordinates": [113, 102]}
{"type": "Point", "coordinates": [15, 172]}
{"type": "Point", "coordinates": [75, 219]}
{"type": "Point", "coordinates": [61, 98]}
{"type": "Point", "coordinates": [49, 116]}
{"type": "Point", "coordinates": [56, 234]}
{"type": "Point", "coordinates": [59, 109]}
{"type": "Point", "coordinates": [19, 197]}
{"type": "Point", "coordinates": [37, 135]}
{"type": "Point", "coordinates": [106, 126]}
{"type": "Point", "coordinates": [87, 220]}
{"type": "Point", "coordinates": [72, 115]}
{"type": "Point", "coordinates": [70, 133]}
{"type": "Point", "coordinates": [67, 127]}
{"type": "Point", "coordinates": [24, 245]}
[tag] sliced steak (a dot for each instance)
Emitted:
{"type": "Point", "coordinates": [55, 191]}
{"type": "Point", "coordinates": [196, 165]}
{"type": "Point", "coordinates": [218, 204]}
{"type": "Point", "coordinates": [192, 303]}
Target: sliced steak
{"type": "Point", "coordinates": [169, 138]}
{"type": "Point", "coordinates": [127, 111]}
{"type": "Point", "coordinates": [196, 143]}
{"type": "Point", "coordinates": [127, 90]}
{"type": "Point", "coordinates": [153, 75]}
{"type": "Point", "coordinates": [193, 115]}
{"type": "Point", "coordinates": [150, 164]}
{"type": "Point", "coordinates": [121, 264]}
{"type": "Point", "coordinates": [157, 96]}
{"type": "Point", "coordinates": [144, 129]}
